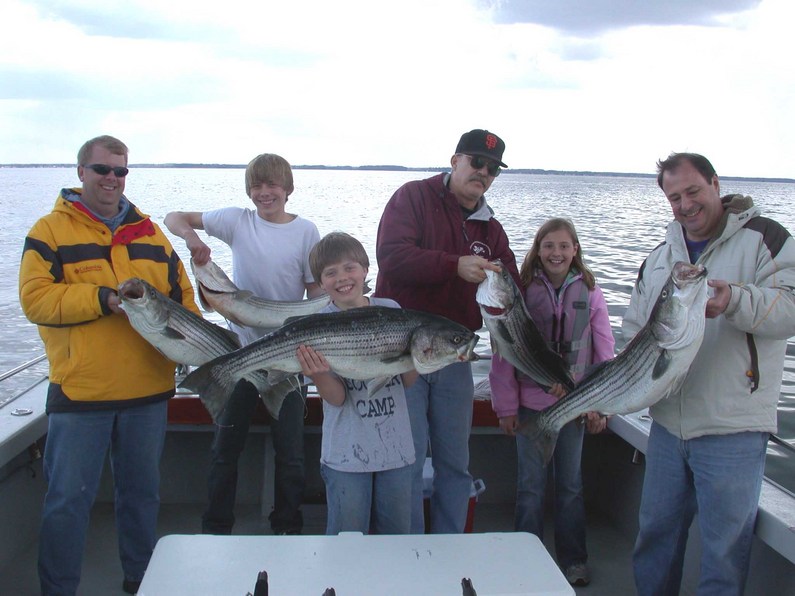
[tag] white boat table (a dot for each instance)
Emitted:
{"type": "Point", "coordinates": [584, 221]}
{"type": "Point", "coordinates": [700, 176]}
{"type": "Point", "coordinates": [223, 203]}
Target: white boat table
{"type": "Point", "coordinates": [354, 564]}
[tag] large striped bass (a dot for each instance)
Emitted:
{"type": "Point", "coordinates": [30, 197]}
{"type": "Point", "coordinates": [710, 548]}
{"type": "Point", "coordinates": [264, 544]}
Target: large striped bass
{"type": "Point", "coordinates": [649, 368]}
{"type": "Point", "coordinates": [373, 342]}
{"type": "Point", "coordinates": [219, 293]}
{"type": "Point", "coordinates": [514, 335]}
{"type": "Point", "coordinates": [185, 338]}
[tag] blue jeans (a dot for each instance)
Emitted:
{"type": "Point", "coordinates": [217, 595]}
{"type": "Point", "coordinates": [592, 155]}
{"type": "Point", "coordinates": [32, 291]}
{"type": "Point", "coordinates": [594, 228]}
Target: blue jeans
{"type": "Point", "coordinates": [569, 505]}
{"type": "Point", "coordinates": [74, 456]}
{"type": "Point", "coordinates": [230, 438]}
{"type": "Point", "coordinates": [440, 410]}
{"type": "Point", "coordinates": [718, 476]}
{"type": "Point", "coordinates": [360, 501]}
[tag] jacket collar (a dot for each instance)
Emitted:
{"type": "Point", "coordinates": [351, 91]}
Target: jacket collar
{"type": "Point", "coordinates": [483, 212]}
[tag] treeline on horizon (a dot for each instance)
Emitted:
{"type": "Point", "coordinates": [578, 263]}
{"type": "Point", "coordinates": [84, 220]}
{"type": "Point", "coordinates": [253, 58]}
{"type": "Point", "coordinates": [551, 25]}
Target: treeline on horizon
{"type": "Point", "coordinates": [392, 168]}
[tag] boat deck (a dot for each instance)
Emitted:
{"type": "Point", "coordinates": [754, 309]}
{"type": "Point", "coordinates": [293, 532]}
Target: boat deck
{"type": "Point", "coordinates": [612, 469]}
{"type": "Point", "coordinates": [610, 569]}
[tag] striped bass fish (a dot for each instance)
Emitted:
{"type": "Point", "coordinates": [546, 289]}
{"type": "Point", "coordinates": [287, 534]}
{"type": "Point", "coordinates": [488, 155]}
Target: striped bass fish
{"type": "Point", "coordinates": [514, 335]}
{"type": "Point", "coordinates": [649, 368]}
{"type": "Point", "coordinates": [185, 338]}
{"type": "Point", "coordinates": [218, 293]}
{"type": "Point", "coordinates": [373, 342]}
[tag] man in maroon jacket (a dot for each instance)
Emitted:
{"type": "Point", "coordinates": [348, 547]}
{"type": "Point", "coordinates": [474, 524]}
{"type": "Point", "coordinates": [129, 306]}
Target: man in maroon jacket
{"type": "Point", "coordinates": [435, 240]}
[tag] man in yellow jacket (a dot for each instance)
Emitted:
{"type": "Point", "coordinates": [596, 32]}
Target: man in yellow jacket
{"type": "Point", "coordinates": [108, 386]}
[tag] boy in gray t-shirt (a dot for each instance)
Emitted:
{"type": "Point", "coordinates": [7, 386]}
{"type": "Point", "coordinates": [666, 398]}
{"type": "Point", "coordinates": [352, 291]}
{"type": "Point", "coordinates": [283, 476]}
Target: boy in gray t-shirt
{"type": "Point", "coordinates": [367, 448]}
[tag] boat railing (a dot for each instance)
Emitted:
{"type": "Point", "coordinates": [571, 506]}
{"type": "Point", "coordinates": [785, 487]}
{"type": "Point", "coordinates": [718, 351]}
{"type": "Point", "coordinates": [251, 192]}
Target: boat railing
{"type": "Point", "coordinates": [782, 443]}
{"type": "Point", "coordinates": [16, 370]}
{"type": "Point", "coordinates": [181, 371]}
{"type": "Point", "coordinates": [21, 367]}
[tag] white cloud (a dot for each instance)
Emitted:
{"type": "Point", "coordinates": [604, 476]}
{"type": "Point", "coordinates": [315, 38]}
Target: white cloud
{"type": "Point", "coordinates": [360, 82]}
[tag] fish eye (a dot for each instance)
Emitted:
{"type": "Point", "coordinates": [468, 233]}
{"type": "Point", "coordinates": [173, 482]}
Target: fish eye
{"type": "Point", "coordinates": [664, 293]}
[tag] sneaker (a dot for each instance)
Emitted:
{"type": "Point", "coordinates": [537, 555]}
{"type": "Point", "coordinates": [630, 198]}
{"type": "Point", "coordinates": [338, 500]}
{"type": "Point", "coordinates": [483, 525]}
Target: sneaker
{"type": "Point", "coordinates": [130, 587]}
{"type": "Point", "coordinates": [577, 574]}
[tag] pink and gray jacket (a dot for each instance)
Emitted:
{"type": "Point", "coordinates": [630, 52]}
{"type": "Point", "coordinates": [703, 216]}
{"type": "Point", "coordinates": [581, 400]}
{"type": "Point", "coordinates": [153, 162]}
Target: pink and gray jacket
{"type": "Point", "coordinates": [575, 322]}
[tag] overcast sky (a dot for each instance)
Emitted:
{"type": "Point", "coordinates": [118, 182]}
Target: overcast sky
{"type": "Point", "coordinates": [600, 85]}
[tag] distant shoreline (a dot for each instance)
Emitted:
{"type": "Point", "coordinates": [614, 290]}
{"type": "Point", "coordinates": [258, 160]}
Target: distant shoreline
{"type": "Point", "coordinates": [391, 168]}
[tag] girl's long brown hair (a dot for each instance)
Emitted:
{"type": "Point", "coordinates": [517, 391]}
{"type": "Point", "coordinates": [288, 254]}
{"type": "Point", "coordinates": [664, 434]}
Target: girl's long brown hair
{"type": "Point", "coordinates": [531, 261]}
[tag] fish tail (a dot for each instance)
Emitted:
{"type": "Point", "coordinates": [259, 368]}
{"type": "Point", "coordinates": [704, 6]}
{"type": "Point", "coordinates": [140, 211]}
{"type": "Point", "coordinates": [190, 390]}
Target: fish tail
{"type": "Point", "coordinates": [273, 396]}
{"type": "Point", "coordinates": [544, 438]}
{"type": "Point", "coordinates": [545, 443]}
{"type": "Point", "coordinates": [214, 402]}
{"type": "Point", "coordinates": [214, 387]}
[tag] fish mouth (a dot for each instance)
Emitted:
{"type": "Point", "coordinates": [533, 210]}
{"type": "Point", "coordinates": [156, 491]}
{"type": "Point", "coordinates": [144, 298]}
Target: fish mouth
{"type": "Point", "coordinates": [131, 290]}
{"type": "Point", "coordinates": [494, 311]}
{"type": "Point", "coordinates": [211, 277]}
{"type": "Point", "coordinates": [470, 355]}
{"type": "Point", "coordinates": [208, 290]}
{"type": "Point", "coordinates": [684, 274]}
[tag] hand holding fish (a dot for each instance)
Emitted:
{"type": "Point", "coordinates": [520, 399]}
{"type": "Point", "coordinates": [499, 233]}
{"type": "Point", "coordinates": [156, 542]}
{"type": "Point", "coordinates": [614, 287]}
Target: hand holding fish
{"type": "Point", "coordinates": [312, 363]}
{"type": "Point", "coordinates": [473, 268]}
{"type": "Point", "coordinates": [558, 390]}
{"type": "Point", "coordinates": [113, 304]}
{"type": "Point", "coordinates": [199, 251]}
{"type": "Point", "coordinates": [649, 368]}
{"type": "Point", "coordinates": [218, 293]}
{"type": "Point", "coordinates": [315, 366]}
{"type": "Point", "coordinates": [373, 344]}
{"type": "Point", "coordinates": [594, 422]}
{"type": "Point", "coordinates": [516, 337]}
{"type": "Point", "coordinates": [721, 295]}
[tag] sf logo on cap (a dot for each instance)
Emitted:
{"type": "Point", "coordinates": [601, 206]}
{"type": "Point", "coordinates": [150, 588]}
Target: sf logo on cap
{"type": "Point", "coordinates": [491, 141]}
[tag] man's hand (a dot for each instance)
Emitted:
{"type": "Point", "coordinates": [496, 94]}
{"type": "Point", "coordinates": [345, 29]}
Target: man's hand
{"type": "Point", "coordinates": [113, 303]}
{"type": "Point", "coordinates": [716, 305]}
{"type": "Point", "coordinates": [473, 268]}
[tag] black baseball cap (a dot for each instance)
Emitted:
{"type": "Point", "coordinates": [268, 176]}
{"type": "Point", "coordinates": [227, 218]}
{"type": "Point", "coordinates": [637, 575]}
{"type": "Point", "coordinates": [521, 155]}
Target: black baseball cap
{"type": "Point", "coordinates": [482, 142]}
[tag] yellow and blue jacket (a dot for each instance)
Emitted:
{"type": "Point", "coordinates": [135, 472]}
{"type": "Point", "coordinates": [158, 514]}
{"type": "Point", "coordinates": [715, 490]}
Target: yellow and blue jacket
{"type": "Point", "coordinates": [71, 262]}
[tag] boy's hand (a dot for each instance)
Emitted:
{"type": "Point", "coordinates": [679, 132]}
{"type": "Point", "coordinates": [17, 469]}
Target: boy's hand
{"type": "Point", "coordinates": [312, 363]}
{"type": "Point", "coordinates": [199, 251]}
{"type": "Point", "coordinates": [557, 390]}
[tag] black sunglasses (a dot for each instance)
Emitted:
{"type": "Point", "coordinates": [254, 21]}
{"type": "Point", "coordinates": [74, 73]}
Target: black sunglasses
{"type": "Point", "coordinates": [477, 162]}
{"type": "Point", "coordinates": [103, 170]}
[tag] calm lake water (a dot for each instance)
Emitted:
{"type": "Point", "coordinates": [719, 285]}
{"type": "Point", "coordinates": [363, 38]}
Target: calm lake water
{"type": "Point", "coordinates": [619, 220]}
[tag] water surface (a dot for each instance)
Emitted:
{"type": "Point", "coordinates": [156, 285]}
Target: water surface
{"type": "Point", "coordinates": [619, 220]}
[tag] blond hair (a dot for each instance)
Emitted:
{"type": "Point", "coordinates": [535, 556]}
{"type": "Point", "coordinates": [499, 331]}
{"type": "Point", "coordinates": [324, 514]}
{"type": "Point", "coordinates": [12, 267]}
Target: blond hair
{"type": "Point", "coordinates": [112, 144]}
{"type": "Point", "coordinates": [269, 168]}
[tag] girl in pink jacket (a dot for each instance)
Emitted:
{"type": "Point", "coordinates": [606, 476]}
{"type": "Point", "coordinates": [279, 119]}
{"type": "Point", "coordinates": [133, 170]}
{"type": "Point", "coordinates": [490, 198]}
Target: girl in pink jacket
{"type": "Point", "coordinates": [570, 311]}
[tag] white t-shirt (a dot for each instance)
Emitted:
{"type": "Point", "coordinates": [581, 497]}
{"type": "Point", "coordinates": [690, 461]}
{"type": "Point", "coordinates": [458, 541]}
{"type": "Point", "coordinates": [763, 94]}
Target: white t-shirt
{"type": "Point", "coordinates": [271, 260]}
{"type": "Point", "coordinates": [367, 434]}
